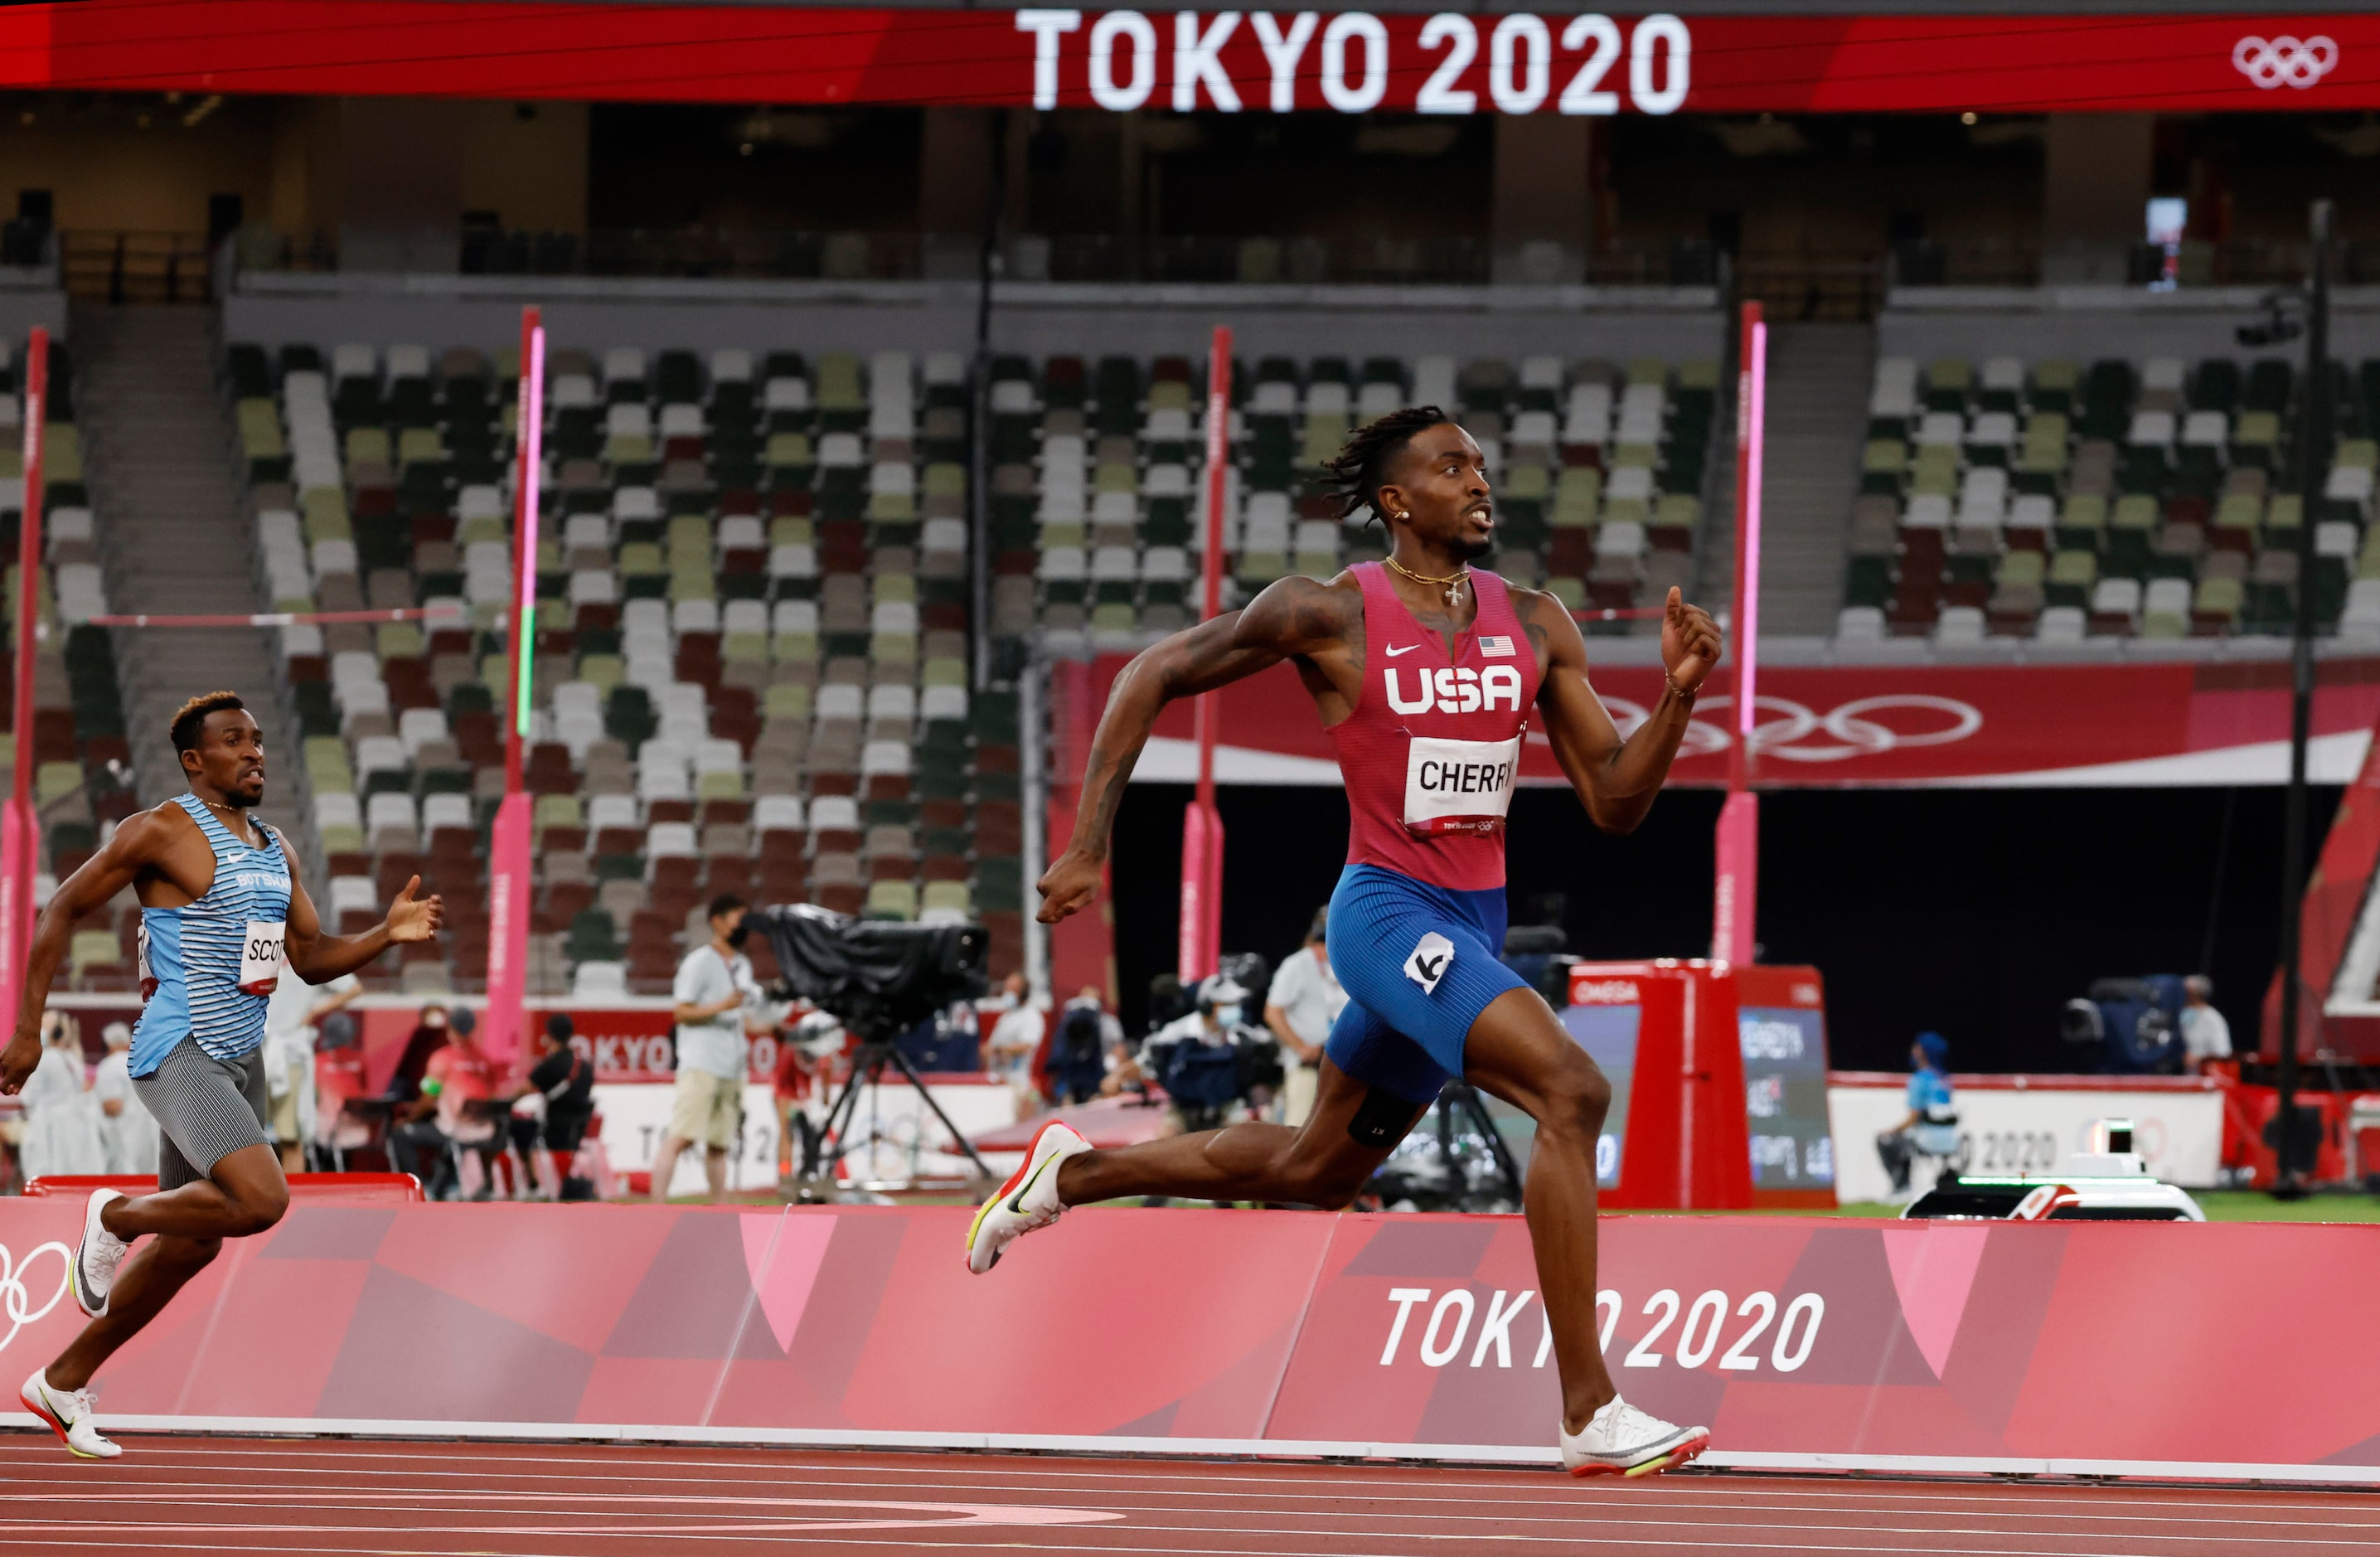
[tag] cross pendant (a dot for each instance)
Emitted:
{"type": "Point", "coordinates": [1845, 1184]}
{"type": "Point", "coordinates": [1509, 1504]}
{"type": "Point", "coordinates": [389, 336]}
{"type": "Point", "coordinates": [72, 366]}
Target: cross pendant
{"type": "Point", "coordinates": [1453, 596]}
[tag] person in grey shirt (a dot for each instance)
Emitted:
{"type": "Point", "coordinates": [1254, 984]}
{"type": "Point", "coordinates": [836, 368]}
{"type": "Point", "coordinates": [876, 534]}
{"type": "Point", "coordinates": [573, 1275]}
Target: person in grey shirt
{"type": "Point", "coordinates": [1304, 1001]}
{"type": "Point", "coordinates": [717, 997]}
{"type": "Point", "coordinates": [2205, 1036]}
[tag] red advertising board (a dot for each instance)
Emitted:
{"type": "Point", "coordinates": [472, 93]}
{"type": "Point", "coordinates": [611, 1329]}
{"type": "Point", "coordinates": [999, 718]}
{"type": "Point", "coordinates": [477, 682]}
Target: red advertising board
{"type": "Point", "coordinates": [2101, 723]}
{"type": "Point", "coordinates": [1347, 62]}
{"type": "Point", "coordinates": [1802, 1342]}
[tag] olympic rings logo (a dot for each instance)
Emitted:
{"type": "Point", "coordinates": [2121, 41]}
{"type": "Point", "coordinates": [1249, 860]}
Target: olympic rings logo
{"type": "Point", "coordinates": [2285, 61]}
{"type": "Point", "coordinates": [1858, 728]}
{"type": "Point", "coordinates": [16, 1301]}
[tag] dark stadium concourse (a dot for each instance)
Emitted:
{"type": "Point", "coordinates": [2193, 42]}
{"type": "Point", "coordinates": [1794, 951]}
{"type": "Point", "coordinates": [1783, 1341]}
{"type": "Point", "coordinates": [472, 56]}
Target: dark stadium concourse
{"type": "Point", "coordinates": [1976, 913]}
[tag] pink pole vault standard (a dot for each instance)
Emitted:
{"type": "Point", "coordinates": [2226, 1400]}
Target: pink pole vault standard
{"type": "Point", "coordinates": [20, 825]}
{"type": "Point", "coordinates": [508, 852]}
{"type": "Point", "coordinates": [1736, 898]}
{"type": "Point", "coordinates": [1202, 825]}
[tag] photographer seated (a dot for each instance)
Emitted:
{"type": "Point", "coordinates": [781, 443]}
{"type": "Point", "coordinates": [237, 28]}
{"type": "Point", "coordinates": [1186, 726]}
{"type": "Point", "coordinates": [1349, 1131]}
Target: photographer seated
{"type": "Point", "coordinates": [1931, 1128]}
{"type": "Point", "coordinates": [438, 1120]}
{"type": "Point", "coordinates": [551, 1119]}
{"type": "Point", "coordinates": [1212, 1064]}
{"type": "Point", "coordinates": [1078, 1044]}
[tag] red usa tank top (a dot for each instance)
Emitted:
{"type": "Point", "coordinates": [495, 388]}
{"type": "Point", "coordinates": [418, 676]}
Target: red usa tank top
{"type": "Point", "coordinates": [1430, 754]}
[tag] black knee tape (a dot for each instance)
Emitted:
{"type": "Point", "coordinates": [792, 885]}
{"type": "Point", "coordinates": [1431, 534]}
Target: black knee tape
{"type": "Point", "coordinates": [1383, 1118]}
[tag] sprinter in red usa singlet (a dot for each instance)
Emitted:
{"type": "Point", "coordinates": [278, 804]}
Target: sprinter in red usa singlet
{"type": "Point", "coordinates": [1428, 675]}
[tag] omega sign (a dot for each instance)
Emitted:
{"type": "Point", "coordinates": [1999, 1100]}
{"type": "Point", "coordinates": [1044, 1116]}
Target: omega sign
{"type": "Point", "coordinates": [1514, 64]}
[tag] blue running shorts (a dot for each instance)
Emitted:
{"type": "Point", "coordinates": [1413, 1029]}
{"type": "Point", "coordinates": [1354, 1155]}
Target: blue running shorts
{"type": "Point", "coordinates": [1419, 963]}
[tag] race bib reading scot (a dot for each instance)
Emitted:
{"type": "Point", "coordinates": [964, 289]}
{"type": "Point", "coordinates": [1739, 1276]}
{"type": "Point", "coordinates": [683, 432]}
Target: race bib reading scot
{"type": "Point", "coordinates": [259, 957]}
{"type": "Point", "coordinates": [1459, 786]}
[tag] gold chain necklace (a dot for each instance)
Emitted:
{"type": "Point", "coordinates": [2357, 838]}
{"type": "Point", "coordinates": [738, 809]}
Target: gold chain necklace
{"type": "Point", "coordinates": [232, 811]}
{"type": "Point", "coordinates": [1453, 581]}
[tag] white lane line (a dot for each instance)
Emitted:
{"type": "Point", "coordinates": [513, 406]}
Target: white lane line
{"type": "Point", "coordinates": [911, 1545]}
{"type": "Point", "coordinates": [1684, 1498]}
{"type": "Point", "coordinates": [542, 1504]}
{"type": "Point", "coordinates": [1934, 1549]}
{"type": "Point", "coordinates": [300, 1494]}
{"type": "Point", "coordinates": [1605, 1523]}
{"type": "Point", "coordinates": [1701, 1480]}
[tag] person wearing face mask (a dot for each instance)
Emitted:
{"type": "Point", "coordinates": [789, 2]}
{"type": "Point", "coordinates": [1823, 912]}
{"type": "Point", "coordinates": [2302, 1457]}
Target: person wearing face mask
{"type": "Point", "coordinates": [717, 1000]}
{"type": "Point", "coordinates": [1196, 1057]}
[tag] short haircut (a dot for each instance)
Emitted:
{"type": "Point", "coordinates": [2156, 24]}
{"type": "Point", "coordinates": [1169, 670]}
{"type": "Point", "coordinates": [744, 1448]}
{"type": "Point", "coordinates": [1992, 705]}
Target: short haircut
{"type": "Point", "coordinates": [191, 717]}
{"type": "Point", "coordinates": [726, 903]}
{"type": "Point", "coordinates": [558, 1027]}
{"type": "Point", "coordinates": [1355, 476]}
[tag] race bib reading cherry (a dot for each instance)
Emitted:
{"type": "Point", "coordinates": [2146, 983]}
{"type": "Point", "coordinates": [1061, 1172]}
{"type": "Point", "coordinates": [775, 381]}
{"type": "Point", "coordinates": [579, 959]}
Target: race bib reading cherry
{"type": "Point", "coordinates": [1459, 786]}
{"type": "Point", "coordinates": [259, 957]}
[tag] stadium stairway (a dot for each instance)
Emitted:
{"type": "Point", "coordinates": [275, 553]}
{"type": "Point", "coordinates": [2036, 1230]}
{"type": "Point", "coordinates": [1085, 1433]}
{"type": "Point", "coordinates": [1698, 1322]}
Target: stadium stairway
{"type": "Point", "coordinates": [173, 532]}
{"type": "Point", "coordinates": [1819, 377]}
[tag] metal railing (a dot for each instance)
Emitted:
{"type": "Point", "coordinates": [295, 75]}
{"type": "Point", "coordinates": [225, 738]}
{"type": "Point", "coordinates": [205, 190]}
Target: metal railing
{"type": "Point", "coordinates": [1802, 284]}
{"type": "Point", "coordinates": [1084, 257]}
{"type": "Point", "coordinates": [135, 267]}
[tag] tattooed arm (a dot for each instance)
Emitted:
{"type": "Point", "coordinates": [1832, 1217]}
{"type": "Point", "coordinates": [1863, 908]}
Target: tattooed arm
{"type": "Point", "coordinates": [1616, 780]}
{"type": "Point", "coordinates": [1294, 617]}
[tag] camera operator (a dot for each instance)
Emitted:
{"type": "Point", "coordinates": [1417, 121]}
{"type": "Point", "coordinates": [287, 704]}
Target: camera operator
{"type": "Point", "coordinates": [717, 1003]}
{"type": "Point", "coordinates": [1215, 1065]}
{"type": "Point", "coordinates": [1079, 1044]}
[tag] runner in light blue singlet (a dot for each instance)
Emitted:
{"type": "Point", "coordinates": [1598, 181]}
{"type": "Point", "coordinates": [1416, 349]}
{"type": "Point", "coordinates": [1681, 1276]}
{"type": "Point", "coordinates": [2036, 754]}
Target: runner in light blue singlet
{"type": "Point", "coordinates": [192, 954]}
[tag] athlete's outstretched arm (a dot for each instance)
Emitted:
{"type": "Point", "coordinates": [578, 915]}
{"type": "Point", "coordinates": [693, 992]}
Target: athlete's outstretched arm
{"type": "Point", "coordinates": [1616, 780]}
{"type": "Point", "coordinates": [1292, 616]}
{"type": "Point", "coordinates": [317, 957]}
{"type": "Point", "coordinates": [139, 840]}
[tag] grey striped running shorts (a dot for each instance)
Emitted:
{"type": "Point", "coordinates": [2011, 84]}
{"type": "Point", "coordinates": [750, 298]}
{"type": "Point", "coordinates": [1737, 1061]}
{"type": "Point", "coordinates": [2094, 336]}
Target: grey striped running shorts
{"type": "Point", "coordinates": [206, 1109]}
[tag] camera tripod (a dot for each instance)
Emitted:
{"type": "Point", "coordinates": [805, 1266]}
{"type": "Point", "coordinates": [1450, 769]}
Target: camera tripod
{"type": "Point", "coordinates": [868, 1065]}
{"type": "Point", "coordinates": [1458, 1111]}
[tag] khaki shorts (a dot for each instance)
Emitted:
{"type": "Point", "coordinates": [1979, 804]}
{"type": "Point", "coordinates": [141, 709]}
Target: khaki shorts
{"type": "Point", "coordinates": [1297, 1093]}
{"type": "Point", "coordinates": [706, 1108]}
{"type": "Point", "coordinates": [285, 1108]}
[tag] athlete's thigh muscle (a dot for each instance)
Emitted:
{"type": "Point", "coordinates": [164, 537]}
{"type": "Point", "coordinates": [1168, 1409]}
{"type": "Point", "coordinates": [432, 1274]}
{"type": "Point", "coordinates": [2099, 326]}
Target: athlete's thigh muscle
{"type": "Point", "coordinates": [1519, 1050]}
{"type": "Point", "coordinates": [1351, 1132]}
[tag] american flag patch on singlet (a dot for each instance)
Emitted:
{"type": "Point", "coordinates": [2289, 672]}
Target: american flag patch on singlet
{"type": "Point", "coordinates": [1495, 648]}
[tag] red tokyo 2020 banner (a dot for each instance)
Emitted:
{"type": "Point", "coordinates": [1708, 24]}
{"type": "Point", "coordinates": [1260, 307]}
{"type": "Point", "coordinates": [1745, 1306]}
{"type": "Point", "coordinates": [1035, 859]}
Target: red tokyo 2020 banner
{"type": "Point", "coordinates": [1801, 1342]}
{"type": "Point", "coordinates": [1346, 62]}
{"type": "Point", "coordinates": [2073, 724]}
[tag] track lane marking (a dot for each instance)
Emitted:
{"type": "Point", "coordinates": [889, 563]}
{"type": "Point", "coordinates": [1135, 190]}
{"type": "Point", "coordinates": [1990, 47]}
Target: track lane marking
{"type": "Point", "coordinates": [1932, 1550]}
{"type": "Point", "coordinates": [1685, 1500]}
{"type": "Point", "coordinates": [651, 1532]}
{"type": "Point", "coordinates": [1703, 1480]}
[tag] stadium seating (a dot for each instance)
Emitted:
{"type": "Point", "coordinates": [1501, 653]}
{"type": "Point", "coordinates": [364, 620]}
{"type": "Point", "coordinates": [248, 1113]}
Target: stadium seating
{"type": "Point", "coordinates": [752, 670]}
{"type": "Point", "coordinates": [2059, 501]}
{"type": "Point", "coordinates": [78, 726]}
{"type": "Point", "coordinates": [754, 576]}
{"type": "Point", "coordinates": [1096, 480]}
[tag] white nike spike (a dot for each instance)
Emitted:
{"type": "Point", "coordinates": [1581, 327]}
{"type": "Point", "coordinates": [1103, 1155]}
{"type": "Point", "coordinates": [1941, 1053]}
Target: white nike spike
{"type": "Point", "coordinates": [1029, 1199]}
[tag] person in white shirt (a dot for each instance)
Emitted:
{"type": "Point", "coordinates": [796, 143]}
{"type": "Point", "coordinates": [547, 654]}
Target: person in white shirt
{"type": "Point", "coordinates": [129, 1132]}
{"type": "Point", "coordinates": [1304, 1001]}
{"type": "Point", "coordinates": [1195, 1058]}
{"type": "Point", "coordinates": [1016, 1037]}
{"type": "Point", "coordinates": [291, 1014]}
{"type": "Point", "coordinates": [718, 1000]}
{"type": "Point", "coordinates": [61, 1118]}
{"type": "Point", "coordinates": [2205, 1036]}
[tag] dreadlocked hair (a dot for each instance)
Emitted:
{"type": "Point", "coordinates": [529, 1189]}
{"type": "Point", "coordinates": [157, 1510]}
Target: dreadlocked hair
{"type": "Point", "coordinates": [1354, 476]}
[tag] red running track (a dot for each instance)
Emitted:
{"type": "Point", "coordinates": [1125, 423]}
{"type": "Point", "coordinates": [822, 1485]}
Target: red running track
{"type": "Point", "coordinates": [249, 1495]}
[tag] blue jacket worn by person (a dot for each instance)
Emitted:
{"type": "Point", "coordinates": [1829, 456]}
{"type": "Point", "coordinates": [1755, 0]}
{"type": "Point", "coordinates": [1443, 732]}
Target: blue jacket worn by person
{"type": "Point", "coordinates": [1936, 1130]}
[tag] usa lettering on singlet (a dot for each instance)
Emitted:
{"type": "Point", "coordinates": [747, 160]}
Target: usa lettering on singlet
{"type": "Point", "coordinates": [207, 967]}
{"type": "Point", "coordinates": [1432, 751]}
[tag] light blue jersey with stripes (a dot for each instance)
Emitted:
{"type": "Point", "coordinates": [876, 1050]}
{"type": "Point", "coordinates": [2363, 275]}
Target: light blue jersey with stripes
{"type": "Point", "coordinates": [193, 954]}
